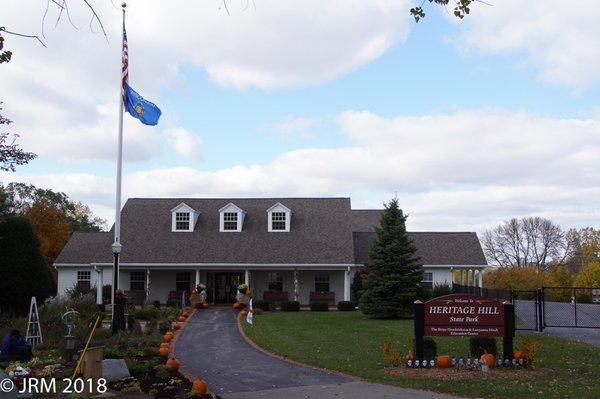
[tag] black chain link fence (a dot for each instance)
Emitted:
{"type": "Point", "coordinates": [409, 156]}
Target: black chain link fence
{"type": "Point", "coordinates": [571, 307]}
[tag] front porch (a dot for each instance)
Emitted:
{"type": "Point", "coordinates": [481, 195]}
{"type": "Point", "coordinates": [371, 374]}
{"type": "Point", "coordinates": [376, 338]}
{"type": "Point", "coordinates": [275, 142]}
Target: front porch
{"type": "Point", "coordinates": [146, 285]}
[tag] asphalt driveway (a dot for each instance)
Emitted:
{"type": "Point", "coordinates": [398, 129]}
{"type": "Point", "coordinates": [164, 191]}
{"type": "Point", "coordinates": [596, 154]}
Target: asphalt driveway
{"type": "Point", "coordinates": [210, 347]}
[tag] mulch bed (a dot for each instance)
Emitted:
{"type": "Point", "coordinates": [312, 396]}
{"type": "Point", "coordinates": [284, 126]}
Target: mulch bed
{"type": "Point", "coordinates": [451, 374]}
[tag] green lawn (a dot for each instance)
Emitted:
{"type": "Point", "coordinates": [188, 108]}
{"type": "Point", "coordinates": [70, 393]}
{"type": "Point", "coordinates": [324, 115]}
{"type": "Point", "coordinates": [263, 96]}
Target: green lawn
{"type": "Point", "coordinates": [349, 342]}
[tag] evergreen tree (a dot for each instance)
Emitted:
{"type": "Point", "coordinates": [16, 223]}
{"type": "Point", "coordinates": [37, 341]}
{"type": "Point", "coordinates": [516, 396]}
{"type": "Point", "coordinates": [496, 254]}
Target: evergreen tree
{"type": "Point", "coordinates": [23, 273]}
{"type": "Point", "coordinates": [394, 272]}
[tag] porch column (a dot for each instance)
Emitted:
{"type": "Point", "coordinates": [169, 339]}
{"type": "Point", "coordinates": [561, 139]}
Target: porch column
{"type": "Point", "coordinates": [247, 277]}
{"type": "Point", "coordinates": [147, 284]}
{"type": "Point", "coordinates": [480, 278]}
{"type": "Point", "coordinates": [462, 277]}
{"type": "Point", "coordinates": [452, 279]}
{"type": "Point", "coordinates": [197, 278]}
{"type": "Point", "coordinates": [296, 294]}
{"type": "Point", "coordinates": [347, 285]}
{"type": "Point", "coordinates": [99, 284]}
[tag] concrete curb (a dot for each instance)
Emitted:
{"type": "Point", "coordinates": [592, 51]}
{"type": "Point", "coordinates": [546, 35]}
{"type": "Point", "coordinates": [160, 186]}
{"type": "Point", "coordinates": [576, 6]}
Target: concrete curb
{"type": "Point", "coordinates": [288, 360]}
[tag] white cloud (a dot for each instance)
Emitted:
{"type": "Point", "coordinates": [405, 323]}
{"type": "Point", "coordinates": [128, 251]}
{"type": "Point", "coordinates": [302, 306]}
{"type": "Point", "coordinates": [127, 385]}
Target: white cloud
{"type": "Point", "coordinates": [465, 170]}
{"type": "Point", "coordinates": [557, 38]}
{"type": "Point", "coordinates": [58, 92]}
{"type": "Point", "coordinates": [183, 142]}
{"type": "Point", "coordinates": [293, 126]}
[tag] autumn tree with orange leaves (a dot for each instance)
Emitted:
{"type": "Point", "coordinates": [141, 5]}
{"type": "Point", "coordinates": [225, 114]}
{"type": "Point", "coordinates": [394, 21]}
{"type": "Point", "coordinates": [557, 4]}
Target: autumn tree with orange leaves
{"type": "Point", "coordinates": [51, 227]}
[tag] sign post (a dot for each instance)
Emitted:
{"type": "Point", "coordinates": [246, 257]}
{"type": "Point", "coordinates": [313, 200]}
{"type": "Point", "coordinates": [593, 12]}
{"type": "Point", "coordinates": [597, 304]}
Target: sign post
{"type": "Point", "coordinates": [419, 308]}
{"type": "Point", "coordinates": [464, 315]}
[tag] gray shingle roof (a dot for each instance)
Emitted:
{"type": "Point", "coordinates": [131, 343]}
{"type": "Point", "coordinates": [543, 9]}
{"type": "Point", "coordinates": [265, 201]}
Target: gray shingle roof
{"type": "Point", "coordinates": [323, 231]}
{"type": "Point", "coordinates": [320, 233]}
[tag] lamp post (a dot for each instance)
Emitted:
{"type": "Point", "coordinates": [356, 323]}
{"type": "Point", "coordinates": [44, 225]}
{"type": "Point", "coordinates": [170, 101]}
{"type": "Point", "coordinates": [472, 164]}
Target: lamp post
{"type": "Point", "coordinates": [116, 248]}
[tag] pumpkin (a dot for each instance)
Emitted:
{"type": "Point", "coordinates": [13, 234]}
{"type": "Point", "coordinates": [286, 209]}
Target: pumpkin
{"type": "Point", "coordinates": [243, 312]}
{"type": "Point", "coordinates": [181, 318]}
{"type": "Point", "coordinates": [168, 337]}
{"type": "Point", "coordinates": [164, 345]}
{"type": "Point", "coordinates": [409, 356]}
{"type": "Point", "coordinates": [489, 359]}
{"type": "Point", "coordinates": [164, 352]}
{"type": "Point", "coordinates": [205, 305]}
{"type": "Point", "coordinates": [518, 355]}
{"type": "Point", "coordinates": [185, 314]}
{"type": "Point", "coordinates": [176, 326]}
{"type": "Point", "coordinates": [199, 386]}
{"type": "Point", "coordinates": [172, 364]}
{"type": "Point", "coordinates": [444, 361]}
{"type": "Point", "coordinates": [236, 305]}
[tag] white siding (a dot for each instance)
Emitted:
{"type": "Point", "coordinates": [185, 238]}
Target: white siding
{"type": "Point", "coordinates": [440, 275]}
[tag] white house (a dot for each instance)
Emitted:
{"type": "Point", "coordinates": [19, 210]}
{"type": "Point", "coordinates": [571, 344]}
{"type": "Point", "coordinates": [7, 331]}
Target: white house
{"type": "Point", "coordinates": [284, 248]}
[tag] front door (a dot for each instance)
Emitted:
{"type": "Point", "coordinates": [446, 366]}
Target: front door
{"type": "Point", "coordinates": [226, 285]}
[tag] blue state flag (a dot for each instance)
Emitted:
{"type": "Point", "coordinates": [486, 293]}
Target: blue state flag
{"type": "Point", "coordinates": [147, 112]}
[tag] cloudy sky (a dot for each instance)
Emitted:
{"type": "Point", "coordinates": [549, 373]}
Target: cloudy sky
{"type": "Point", "coordinates": [467, 122]}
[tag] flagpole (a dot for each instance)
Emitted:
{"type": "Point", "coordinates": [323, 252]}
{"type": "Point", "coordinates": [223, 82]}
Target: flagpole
{"type": "Point", "coordinates": [116, 246]}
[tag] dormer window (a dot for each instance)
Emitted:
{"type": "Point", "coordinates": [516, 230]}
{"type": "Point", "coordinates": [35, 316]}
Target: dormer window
{"type": "Point", "coordinates": [182, 221]}
{"type": "Point", "coordinates": [183, 218]}
{"type": "Point", "coordinates": [279, 218]}
{"type": "Point", "coordinates": [278, 221]}
{"type": "Point", "coordinates": [231, 218]}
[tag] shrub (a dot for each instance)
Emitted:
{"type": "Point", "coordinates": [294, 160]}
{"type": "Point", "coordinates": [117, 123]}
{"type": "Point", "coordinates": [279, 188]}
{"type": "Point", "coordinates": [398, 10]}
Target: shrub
{"type": "Point", "coordinates": [441, 290]}
{"type": "Point", "coordinates": [264, 305]}
{"type": "Point", "coordinates": [147, 313]}
{"type": "Point", "coordinates": [290, 306]}
{"type": "Point", "coordinates": [173, 304]}
{"type": "Point", "coordinates": [480, 345]}
{"type": "Point", "coordinates": [423, 292]}
{"type": "Point", "coordinates": [319, 306]}
{"type": "Point", "coordinates": [346, 306]}
{"type": "Point", "coordinates": [390, 354]}
{"type": "Point", "coordinates": [78, 290]}
{"type": "Point", "coordinates": [257, 311]}
{"type": "Point", "coordinates": [429, 348]}
{"type": "Point", "coordinates": [156, 304]}
{"type": "Point", "coordinates": [530, 348]}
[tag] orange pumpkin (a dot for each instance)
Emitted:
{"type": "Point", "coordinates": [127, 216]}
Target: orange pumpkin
{"type": "Point", "coordinates": [181, 318]}
{"type": "Point", "coordinates": [176, 326]}
{"type": "Point", "coordinates": [444, 361]}
{"type": "Point", "coordinates": [236, 305]}
{"type": "Point", "coordinates": [164, 352]}
{"type": "Point", "coordinates": [172, 364]}
{"type": "Point", "coordinates": [199, 386]}
{"type": "Point", "coordinates": [489, 359]}
{"type": "Point", "coordinates": [409, 356]}
{"type": "Point", "coordinates": [244, 312]}
{"type": "Point", "coordinates": [518, 355]}
{"type": "Point", "coordinates": [205, 305]}
{"type": "Point", "coordinates": [168, 337]}
{"type": "Point", "coordinates": [164, 345]}
{"type": "Point", "coordinates": [185, 314]}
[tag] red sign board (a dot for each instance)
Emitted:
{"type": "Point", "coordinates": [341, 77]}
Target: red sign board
{"type": "Point", "coordinates": [464, 315]}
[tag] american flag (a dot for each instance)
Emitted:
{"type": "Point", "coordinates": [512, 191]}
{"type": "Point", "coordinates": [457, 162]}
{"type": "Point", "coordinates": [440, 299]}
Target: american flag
{"type": "Point", "coordinates": [125, 62]}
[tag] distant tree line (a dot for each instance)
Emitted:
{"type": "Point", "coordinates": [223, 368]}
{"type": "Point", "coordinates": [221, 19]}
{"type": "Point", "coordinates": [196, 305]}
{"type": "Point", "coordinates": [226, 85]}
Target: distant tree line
{"type": "Point", "coordinates": [534, 251]}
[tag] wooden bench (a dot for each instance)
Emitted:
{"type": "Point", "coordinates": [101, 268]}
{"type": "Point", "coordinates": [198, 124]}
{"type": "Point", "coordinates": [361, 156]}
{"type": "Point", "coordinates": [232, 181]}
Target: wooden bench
{"type": "Point", "coordinates": [328, 297]}
{"type": "Point", "coordinates": [275, 296]}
